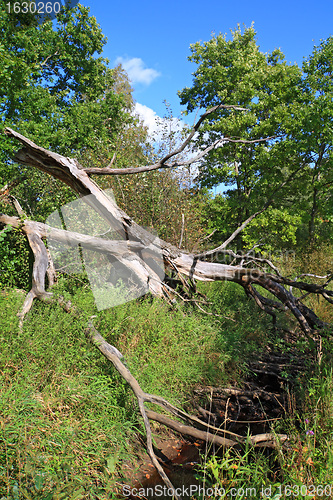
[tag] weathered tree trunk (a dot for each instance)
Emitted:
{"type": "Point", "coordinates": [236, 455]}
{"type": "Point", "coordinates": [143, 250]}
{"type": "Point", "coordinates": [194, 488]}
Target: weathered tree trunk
{"type": "Point", "coordinates": [194, 267]}
{"type": "Point", "coordinates": [132, 251]}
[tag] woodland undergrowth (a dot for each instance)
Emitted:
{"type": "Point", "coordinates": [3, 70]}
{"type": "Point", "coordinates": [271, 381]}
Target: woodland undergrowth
{"type": "Point", "coordinates": [68, 420]}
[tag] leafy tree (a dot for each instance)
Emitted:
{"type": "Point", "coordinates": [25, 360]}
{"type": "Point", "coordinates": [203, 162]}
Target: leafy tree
{"type": "Point", "coordinates": [235, 72]}
{"type": "Point", "coordinates": [292, 108]}
{"type": "Point", "coordinates": [51, 83]}
{"type": "Point", "coordinates": [57, 90]}
{"type": "Point", "coordinates": [313, 131]}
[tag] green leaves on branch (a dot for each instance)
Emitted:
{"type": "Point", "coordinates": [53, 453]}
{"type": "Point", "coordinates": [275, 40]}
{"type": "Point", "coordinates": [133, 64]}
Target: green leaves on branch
{"type": "Point", "coordinates": [4, 232]}
{"type": "Point", "coordinates": [293, 109]}
{"type": "Point", "coordinates": [57, 90]}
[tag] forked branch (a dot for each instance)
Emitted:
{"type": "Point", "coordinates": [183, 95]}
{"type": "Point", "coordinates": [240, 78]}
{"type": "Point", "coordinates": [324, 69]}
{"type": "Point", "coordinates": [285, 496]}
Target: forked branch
{"type": "Point", "coordinates": [187, 266]}
{"type": "Point", "coordinates": [163, 162]}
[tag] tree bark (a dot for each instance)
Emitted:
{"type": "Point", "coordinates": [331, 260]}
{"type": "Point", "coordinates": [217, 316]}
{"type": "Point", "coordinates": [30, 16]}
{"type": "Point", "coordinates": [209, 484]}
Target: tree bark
{"type": "Point", "coordinates": [194, 267]}
{"type": "Point", "coordinates": [132, 251]}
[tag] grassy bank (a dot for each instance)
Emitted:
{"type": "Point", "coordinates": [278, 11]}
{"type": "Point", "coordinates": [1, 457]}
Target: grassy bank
{"type": "Point", "coordinates": [67, 420]}
{"type": "Point", "coordinates": [66, 417]}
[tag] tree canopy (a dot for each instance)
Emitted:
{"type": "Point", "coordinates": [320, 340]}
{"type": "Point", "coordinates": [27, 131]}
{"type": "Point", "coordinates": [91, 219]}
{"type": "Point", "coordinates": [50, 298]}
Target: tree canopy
{"type": "Point", "coordinates": [281, 104]}
{"type": "Point", "coordinates": [55, 87]}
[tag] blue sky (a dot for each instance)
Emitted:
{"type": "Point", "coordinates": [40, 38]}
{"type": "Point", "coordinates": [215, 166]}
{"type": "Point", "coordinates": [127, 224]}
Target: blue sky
{"type": "Point", "coordinates": [152, 38]}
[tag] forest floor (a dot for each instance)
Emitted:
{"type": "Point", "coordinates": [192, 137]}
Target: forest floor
{"type": "Point", "coordinates": [70, 427]}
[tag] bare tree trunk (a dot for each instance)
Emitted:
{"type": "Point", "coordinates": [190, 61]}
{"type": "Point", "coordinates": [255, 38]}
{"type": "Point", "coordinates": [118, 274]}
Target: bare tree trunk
{"type": "Point", "coordinates": [132, 252]}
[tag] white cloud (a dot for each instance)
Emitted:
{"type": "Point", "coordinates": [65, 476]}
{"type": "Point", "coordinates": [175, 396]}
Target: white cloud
{"type": "Point", "coordinates": [149, 117]}
{"type": "Point", "coordinates": [157, 125]}
{"type": "Point", "coordinates": [136, 70]}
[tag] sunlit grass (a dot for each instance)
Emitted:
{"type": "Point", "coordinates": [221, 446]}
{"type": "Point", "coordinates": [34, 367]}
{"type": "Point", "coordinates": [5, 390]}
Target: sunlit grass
{"type": "Point", "coordinates": [68, 420]}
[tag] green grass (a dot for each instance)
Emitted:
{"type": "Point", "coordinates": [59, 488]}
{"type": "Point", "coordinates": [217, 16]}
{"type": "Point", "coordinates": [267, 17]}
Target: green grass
{"type": "Point", "coordinates": [64, 413]}
{"type": "Point", "coordinates": [304, 470]}
{"type": "Point", "coordinates": [68, 420]}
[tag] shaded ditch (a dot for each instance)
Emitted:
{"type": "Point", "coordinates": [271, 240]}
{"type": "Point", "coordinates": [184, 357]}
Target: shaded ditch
{"type": "Point", "coordinates": [265, 397]}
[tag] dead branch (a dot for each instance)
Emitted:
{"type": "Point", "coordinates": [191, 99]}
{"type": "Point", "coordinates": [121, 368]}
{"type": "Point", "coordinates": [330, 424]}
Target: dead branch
{"type": "Point", "coordinates": [188, 267]}
{"type": "Point", "coordinates": [185, 264]}
{"type": "Point", "coordinates": [327, 277]}
{"type": "Point", "coordinates": [187, 430]}
{"type": "Point", "coordinates": [44, 63]}
{"type": "Point", "coordinates": [210, 432]}
{"type": "Point", "coordinates": [260, 301]}
{"type": "Point", "coordinates": [163, 162]}
{"type": "Point", "coordinates": [109, 352]}
{"type": "Point", "coordinates": [246, 141]}
{"type": "Point", "coordinates": [40, 267]}
{"type": "Point", "coordinates": [247, 258]}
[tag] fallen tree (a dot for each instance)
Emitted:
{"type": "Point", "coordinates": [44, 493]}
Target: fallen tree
{"type": "Point", "coordinates": [155, 267]}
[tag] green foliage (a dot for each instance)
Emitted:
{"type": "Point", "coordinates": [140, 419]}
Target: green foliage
{"type": "Point", "coordinates": [68, 419]}
{"type": "Point", "coordinates": [58, 92]}
{"type": "Point", "coordinates": [315, 136]}
{"type": "Point", "coordinates": [52, 82]}
{"type": "Point", "coordinates": [236, 72]}
{"type": "Point", "coordinates": [65, 415]}
{"type": "Point", "coordinates": [168, 351]}
{"type": "Point", "coordinates": [229, 302]}
{"type": "Point", "coordinates": [292, 109]}
{"type": "Point", "coordinates": [14, 259]}
{"type": "Point", "coordinates": [277, 228]}
{"type": "Point", "coordinates": [246, 473]}
{"type": "Point", "coordinates": [5, 232]}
